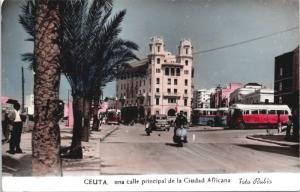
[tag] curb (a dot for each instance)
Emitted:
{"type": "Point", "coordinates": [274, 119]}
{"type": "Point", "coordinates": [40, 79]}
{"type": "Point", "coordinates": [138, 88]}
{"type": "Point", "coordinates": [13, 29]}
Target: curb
{"type": "Point", "coordinates": [109, 133]}
{"type": "Point", "coordinates": [269, 141]}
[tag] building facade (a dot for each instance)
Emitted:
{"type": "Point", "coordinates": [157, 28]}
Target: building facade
{"type": "Point", "coordinates": [221, 96]}
{"type": "Point", "coordinates": [161, 83]}
{"type": "Point", "coordinates": [238, 95]}
{"type": "Point", "coordinates": [202, 98]}
{"type": "Point", "coordinates": [259, 96]}
{"type": "Point", "coordinates": [286, 83]}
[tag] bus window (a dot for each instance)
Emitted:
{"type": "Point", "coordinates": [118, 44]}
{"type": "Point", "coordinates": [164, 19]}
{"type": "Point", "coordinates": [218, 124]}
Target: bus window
{"type": "Point", "coordinates": [204, 113]}
{"type": "Point", "coordinates": [286, 112]}
{"type": "Point", "coordinates": [279, 112]}
{"type": "Point", "coordinates": [254, 112]}
{"type": "Point", "coordinates": [214, 112]}
{"type": "Point", "coordinates": [247, 112]}
{"type": "Point", "coordinates": [273, 112]}
{"type": "Point", "coordinates": [262, 111]}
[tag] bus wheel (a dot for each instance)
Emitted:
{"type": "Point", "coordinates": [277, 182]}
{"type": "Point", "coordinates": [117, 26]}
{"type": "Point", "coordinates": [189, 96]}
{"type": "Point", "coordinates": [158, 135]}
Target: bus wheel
{"type": "Point", "coordinates": [210, 123]}
{"type": "Point", "coordinates": [242, 125]}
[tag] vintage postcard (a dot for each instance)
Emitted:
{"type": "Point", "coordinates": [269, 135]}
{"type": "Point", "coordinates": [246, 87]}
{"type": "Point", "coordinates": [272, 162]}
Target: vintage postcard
{"type": "Point", "coordinates": [150, 95]}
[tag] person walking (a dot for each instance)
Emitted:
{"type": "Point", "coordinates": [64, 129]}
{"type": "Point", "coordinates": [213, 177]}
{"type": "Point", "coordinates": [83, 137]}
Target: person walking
{"type": "Point", "coordinates": [15, 140]}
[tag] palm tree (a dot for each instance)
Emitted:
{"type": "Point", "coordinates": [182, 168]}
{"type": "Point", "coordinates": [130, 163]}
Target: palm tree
{"type": "Point", "coordinates": [46, 135]}
{"type": "Point", "coordinates": [92, 53]}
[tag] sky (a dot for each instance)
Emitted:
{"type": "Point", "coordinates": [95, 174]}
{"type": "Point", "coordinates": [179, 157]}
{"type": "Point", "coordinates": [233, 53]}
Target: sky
{"type": "Point", "coordinates": [208, 24]}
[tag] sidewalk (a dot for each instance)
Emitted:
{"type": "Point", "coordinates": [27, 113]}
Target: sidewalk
{"type": "Point", "coordinates": [278, 139]}
{"type": "Point", "coordinates": [20, 164]}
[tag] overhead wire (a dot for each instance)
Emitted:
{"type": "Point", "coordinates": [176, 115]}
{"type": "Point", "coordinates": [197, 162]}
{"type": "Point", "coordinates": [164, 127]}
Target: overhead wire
{"type": "Point", "coordinates": [243, 42]}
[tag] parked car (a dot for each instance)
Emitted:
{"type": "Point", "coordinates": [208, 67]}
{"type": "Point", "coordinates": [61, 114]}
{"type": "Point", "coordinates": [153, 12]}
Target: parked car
{"type": "Point", "coordinates": [160, 122]}
{"type": "Point", "coordinates": [113, 117]}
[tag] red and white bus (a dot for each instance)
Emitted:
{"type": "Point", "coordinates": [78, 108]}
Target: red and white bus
{"type": "Point", "coordinates": [257, 116]}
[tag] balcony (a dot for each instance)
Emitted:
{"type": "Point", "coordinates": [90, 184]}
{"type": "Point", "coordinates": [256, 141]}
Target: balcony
{"type": "Point", "coordinates": [173, 95]}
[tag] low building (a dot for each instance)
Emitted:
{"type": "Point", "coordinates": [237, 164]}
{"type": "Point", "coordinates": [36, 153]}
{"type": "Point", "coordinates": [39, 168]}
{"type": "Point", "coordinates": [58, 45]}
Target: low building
{"type": "Point", "coordinates": [202, 98]}
{"type": "Point", "coordinates": [259, 96]}
{"type": "Point", "coordinates": [238, 95]}
{"type": "Point", "coordinates": [160, 83]}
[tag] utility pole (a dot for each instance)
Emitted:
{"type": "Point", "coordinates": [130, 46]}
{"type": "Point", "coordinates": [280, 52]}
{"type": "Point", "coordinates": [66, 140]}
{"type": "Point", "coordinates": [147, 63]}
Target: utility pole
{"type": "Point", "coordinates": [23, 88]}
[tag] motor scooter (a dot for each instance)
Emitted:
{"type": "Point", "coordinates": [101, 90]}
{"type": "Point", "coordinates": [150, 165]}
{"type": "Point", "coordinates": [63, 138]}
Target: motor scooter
{"type": "Point", "coordinates": [180, 136]}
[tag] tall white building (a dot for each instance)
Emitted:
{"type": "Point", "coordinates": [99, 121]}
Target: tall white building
{"type": "Point", "coordinates": [260, 96]}
{"type": "Point", "coordinates": [161, 83]}
{"type": "Point", "coordinates": [29, 104]}
{"type": "Point", "coordinates": [202, 98]}
{"type": "Point", "coordinates": [238, 95]}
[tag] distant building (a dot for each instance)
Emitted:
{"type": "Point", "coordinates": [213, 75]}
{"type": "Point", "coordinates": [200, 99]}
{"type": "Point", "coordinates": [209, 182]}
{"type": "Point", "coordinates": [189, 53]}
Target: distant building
{"type": "Point", "coordinates": [259, 96]}
{"type": "Point", "coordinates": [237, 96]}
{"type": "Point", "coordinates": [221, 97]}
{"type": "Point", "coordinates": [29, 104]}
{"type": "Point", "coordinates": [202, 98]}
{"type": "Point", "coordinates": [161, 83]}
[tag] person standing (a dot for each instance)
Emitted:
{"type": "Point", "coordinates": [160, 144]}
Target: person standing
{"type": "Point", "coordinates": [15, 140]}
{"type": "Point", "coordinates": [5, 126]}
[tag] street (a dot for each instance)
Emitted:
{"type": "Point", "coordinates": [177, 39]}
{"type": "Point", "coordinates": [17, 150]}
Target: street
{"type": "Point", "coordinates": [128, 150]}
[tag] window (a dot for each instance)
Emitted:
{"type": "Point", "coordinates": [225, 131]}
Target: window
{"type": "Point", "coordinates": [186, 50]}
{"type": "Point", "coordinates": [175, 90]}
{"type": "Point", "coordinates": [172, 71]}
{"type": "Point", "coordinates": [247, 112]}
{"type": "Point", "coordinates": [178, 72]}
{"type": "Point", "coordinates": [157, 70]}
{"type": "Point", "coordinates": [167, 71]}
{"type": "Point", "coordinates": [286, 112]}
{"type": "Point", "coordinates": [273, 112]}
{"type": "Point", "coordinates": [280, 86]}
{"type": "Point", "coordinates": [169, 90]}
{"type": "Point", "coordinates": [145, 82]}
{"type": "Point", "coordinates": [158, 48]}
{"type": "Point", "coordinates": [263, 111]}
{"type": "Point", "coordinates": [158, 60]}
{"type": "Point", "coordinates": [157, 101]}
{"type": "Point", "coordinates": [175, 81]}
{"type": "Point", "coordinates": [144, 91]}
{"type": "Point", "coordinates": [254, 112]}
{"type": "Point", "coordinates": [185, 82]}
{"type": "Point", "coordinates": [171, 100]}
{"type": "Point", "coordinates": [186, 72]}
{"type": "Point", "coordinates": [185, 91]}
{"type": "Point", "coordinates": [157, 90]}
{"type": "Point", "coordinates": [186, 62]}
{"type": "Point", "coordinates": [280, 71]}
{"type": "Point", "coordinates": [280, 100]}
{"type": "Point", "coordinates": [157, 80]}
{"type": "Point", "coordinates": [169, 81]}
{"type": "Point", "coordinates": [279, 112]}
{"type": "Point", "coordinates": [185, 102]}
{"type": "Point", "coordinates": [140, 82]}
{"type": "Point", "coordinates": [150, 48]}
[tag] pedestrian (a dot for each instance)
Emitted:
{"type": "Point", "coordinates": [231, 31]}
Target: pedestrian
{"type": "Point", "coordinates": [279, 124]}
{"type": "Point", "coordinates": [5, 126]}
{"type": "Point", "coordinates": [15, 140]}
{"type": "Point", "coordinates": [289, 127]}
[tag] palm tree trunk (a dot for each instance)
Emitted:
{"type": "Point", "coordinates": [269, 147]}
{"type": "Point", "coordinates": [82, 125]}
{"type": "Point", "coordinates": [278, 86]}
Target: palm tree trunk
{"type": "Point", "coordinates": [86, 120]}
{"type": "Point", "coordinates": [46, 134]}
{"type": "Point", "coordinates": [95, 114]}
{"type": "Point", "coordinates": [76, 149]}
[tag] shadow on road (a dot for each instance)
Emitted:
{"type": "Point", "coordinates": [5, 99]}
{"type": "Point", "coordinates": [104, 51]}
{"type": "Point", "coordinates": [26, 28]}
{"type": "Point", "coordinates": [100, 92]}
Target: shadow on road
{"type": "Point", "coordinates": [290, 151]}
{"type": "Point", "coordinates": [171, 144]}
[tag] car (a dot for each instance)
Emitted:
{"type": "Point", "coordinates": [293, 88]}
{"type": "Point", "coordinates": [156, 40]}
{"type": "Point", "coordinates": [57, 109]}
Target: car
{"type": "Point", "coordinates": [160, 123]}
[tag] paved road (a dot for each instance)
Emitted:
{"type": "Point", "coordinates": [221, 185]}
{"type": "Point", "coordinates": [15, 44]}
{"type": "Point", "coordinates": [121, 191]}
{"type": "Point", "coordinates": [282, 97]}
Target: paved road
{"type": "Point", "coordinates": [210, 150]}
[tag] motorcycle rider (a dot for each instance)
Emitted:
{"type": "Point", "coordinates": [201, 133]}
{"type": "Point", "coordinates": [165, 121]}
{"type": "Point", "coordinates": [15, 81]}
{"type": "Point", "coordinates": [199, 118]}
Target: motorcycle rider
{"type": "Point", "coordinates": [181, 120]}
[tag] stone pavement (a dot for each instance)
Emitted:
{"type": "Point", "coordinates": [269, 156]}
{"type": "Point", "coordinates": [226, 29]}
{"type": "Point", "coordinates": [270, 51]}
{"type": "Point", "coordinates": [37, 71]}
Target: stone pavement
{"type": "Point", "coordinates": [20, 164]}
